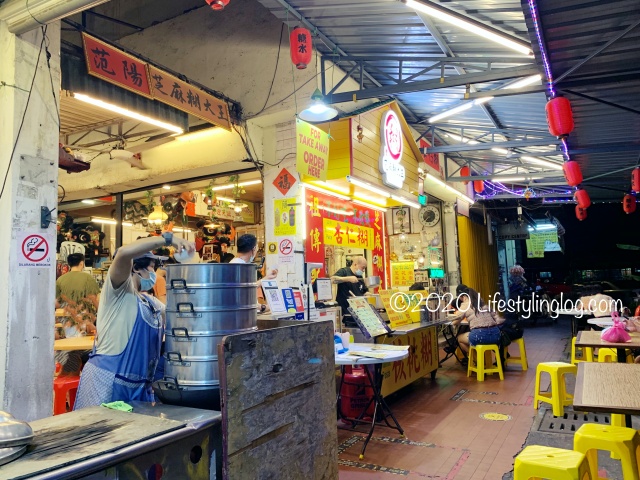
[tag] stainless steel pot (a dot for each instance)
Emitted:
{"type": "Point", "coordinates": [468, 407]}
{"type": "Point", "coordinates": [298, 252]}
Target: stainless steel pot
{"type": "Point", "coordinates": [209, 321]}
{"type": "Point", "coordinates": [194, 371]}
{"type": "Point", "coordinates": [195, 344]}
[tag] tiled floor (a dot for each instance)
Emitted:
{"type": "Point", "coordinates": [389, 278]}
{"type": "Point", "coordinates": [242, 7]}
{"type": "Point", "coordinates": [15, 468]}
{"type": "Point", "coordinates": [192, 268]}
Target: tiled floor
{"type": "Point", "coordinates": [445, 437]}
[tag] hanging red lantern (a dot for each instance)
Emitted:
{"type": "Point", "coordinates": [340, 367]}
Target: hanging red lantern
{"type": "Point", "coordinates": [572, 173]}
{"type": "Point", "coordinates": [635, 180]}
{"type": "Point", "coordinates": [478, 186]}
{"type": "Point", "coordinates": [301, 47]}
{"type": "Point", "coordinates": [559, 116]}
{"type": "Point", "coordinates": [465, 172]}
{"type": "Point", "coordinates": [217, 4]}
{"type": "Point", "coordinates": [581, 213]}
{"type": "Point", "coordinates": [582, 198]}
{"type": "Point", "coordinates": [629, 203]}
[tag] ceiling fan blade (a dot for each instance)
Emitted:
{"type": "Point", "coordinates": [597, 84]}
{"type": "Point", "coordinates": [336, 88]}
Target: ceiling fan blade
{"type": "Point", "coordinates": [150, 144]}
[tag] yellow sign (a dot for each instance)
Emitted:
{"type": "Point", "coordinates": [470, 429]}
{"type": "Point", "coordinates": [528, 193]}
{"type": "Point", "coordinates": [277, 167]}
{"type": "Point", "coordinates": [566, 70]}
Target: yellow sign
{"type": "Point", "coordinates": [312, 150]}
{"type": "Point", "coordinates": [537, 242]}
{"type": "Point", "coordinates": [422, 359]}
{"type": "Point", "coordinates": [347, 235]}
{"type": "Point", "coordinates": [272, 247]}
{"type": "Point", "coordinates": [403, 307]}
{"type": "Point", "coordinates": [495, 417]}
{"type": "Point", "coordinates": [402, 274]}
{"type": "Point", "coordinates": [285, 217]}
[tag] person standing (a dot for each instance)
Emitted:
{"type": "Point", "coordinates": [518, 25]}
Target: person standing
{"type": "Point", "coordinates": [350, 282]}
{"type": "Point", "coordinates": [225, 256]}
{"type": "Point", "coordinates": [71, 246]}
{"type": "Point", "coordinates": [130, 327]}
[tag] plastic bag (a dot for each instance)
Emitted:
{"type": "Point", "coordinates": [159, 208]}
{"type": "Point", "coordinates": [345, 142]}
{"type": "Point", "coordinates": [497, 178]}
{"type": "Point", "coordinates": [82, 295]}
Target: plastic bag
{"type": "Point", "coordinates": [617, 332]}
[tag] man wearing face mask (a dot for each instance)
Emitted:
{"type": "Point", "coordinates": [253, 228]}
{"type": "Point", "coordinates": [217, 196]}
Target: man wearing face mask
{"type": "Point", "coordinates": [350, 282]}
{"type": "Point", "coordinates": [247, 250]}
{"type": "Point", "coordinates": [130, 327]}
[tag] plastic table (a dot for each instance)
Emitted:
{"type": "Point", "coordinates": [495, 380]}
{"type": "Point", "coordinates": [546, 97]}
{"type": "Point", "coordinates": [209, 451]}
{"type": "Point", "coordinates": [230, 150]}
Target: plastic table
{"type": "Point", "coordinates": [74, 343]}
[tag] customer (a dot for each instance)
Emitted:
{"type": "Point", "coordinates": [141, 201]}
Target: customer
{"type": "Point", "coordinates": [130, 327]}
{"type": "Point", "coordinates": [247, 250]}
{"type": "Point", "coordinates": [350, 283]}
{"type": "Point", "coordinates": [225, 256]}
{"type": "Point", "coordinates": [76, 293]}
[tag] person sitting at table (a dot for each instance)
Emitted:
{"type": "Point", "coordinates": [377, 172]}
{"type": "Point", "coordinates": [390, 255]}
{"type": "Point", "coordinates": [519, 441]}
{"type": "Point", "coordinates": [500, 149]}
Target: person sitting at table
{"type": "Point", "coordinates": [130, 327]}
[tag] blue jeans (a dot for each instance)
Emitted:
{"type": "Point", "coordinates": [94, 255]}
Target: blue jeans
{"type": "Point", "coordinates": [484, 336]}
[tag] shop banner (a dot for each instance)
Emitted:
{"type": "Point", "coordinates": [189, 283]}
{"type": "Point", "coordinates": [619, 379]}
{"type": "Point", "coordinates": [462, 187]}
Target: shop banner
{"type": "Point", "coordinates": [403, 308]}
{"type": "Point", "coordinates": [538, 243]}
{"type": "Point", "coordinates": [402, 274]}
{"type": "Point", "coordinates": [115, 66]}
{"type": "Point", "coordinates": [223, 211]}
{"type": "Point", "coordinates": [285, 215]}
{"type": "Point", "coordinates": [179, 94]}
{"type": "Point", "coordinates": [326, 214]}
{"type": "Point", "coordinates": [312, 150]}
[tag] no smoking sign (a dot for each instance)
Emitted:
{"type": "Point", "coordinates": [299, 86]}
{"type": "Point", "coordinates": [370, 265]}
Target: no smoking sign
{"type": "Point", "coordinates": [34, 251]}
{"type": "Point", "coordinates": [285, 251]}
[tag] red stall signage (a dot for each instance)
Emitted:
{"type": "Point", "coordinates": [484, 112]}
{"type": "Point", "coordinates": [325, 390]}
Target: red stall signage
{"type": "Point", "coordinates": [115, 66]}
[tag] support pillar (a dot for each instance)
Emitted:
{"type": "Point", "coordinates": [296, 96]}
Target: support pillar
{"type": "Point", "coordinates": [27, 293]}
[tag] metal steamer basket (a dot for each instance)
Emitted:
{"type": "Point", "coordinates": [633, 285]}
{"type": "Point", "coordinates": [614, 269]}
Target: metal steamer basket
{"type": "Point", "coordinates": [205, 302]}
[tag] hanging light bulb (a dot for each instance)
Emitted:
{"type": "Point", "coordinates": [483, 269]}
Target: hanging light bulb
{"type": "Point", "coordinates": [421, 259]}
{"type": "Point", "coordinates": [318, 111]}
{"type": "Point", "coordinates": [157, 216]}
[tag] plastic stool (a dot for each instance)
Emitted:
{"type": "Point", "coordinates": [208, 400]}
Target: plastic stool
{"type": "Point", "coordinates": [624, 442]}
{"type": "Point", "coordinates": [61, 387]}
{"type": "Point", "coordinates": [558, 397]}
{"type": "Point", "coordinates": [478, 365]}
{"type": "Point", "coordinates": [536, 461]}
{"type": "Point", "coordinates": [587, 353]}
{"type": "Point", "coordinates": [522, 359]}
{"type": "Point", "coordinates": [607, 355]}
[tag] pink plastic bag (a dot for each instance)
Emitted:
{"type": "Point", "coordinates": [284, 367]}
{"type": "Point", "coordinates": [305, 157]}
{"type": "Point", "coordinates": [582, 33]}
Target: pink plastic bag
{"type": "Point", "coordinates": [617, 332]}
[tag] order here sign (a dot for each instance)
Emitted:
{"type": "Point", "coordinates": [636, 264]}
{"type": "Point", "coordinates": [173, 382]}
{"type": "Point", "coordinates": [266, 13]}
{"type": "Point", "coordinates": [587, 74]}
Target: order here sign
{"type": "Point", "coordinates": [312, 150]}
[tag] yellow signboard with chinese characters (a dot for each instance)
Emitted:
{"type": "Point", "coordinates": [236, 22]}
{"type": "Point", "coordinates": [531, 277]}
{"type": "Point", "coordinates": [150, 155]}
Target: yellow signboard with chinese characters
{"type": "Point", "coordinates": [347, 235]}
{"type": "Point", "coordinates": [541, 242]}
{"type": "Point", "coordinates": [402, 274]}
{"type": "Point", "coordinates": [285, 217]}
{"type": "Point", "coordinates": [312, 150]}
{"type": "Point", "coordinates": [397, 307]}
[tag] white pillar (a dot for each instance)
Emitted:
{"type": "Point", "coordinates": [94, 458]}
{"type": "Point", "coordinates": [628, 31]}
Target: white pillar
{"type": "Point", "coordinates": [27, 293]}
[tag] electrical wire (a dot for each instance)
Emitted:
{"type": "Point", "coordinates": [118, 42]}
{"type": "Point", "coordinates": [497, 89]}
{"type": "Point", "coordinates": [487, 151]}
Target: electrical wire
{"type": "Point", "coordinates": [275, 71]}
{"type": "Point", "coordinates": [24, 115]}
{"type": "Point", "coordinates": [48, 56]}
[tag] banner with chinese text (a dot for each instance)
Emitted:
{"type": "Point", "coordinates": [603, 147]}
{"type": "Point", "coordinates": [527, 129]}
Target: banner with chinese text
{"type": "Point", "coordinates": [541, 242]}
{"type": "Point", "coordinates": [284, 211]}
{"type": "Point", "coordinates": [332, 221]}
{"type": "Point", "coordinates": [402, 274]}
{"type": "Point", "coordinates": [312, 150]}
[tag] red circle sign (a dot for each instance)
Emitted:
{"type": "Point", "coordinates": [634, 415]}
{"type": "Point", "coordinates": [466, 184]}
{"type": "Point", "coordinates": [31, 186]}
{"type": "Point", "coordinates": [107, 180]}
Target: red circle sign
{"type": "Point", "coordinates": [393, 135]}
{"type": "Point", "coordinates": [286, 246]}
{"type": "Point", "coordinates": [35, 248]}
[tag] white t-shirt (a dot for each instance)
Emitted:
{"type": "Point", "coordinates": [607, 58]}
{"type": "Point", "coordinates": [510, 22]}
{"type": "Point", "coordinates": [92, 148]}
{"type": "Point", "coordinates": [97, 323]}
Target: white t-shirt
{"type": "Point", "coordinates": [67, 248]}
{"type": "Point", "coordinates": [117, 314]}
{"type": "Point", "coordinates": [238, 260]}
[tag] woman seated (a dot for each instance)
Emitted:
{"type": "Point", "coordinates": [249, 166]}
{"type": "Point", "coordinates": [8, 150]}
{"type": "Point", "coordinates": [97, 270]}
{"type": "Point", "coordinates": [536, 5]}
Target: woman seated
{"type": "Point", "coordinates": [483, 325]}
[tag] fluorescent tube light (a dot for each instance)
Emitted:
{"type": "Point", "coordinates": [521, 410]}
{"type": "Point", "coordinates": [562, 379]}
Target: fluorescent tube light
{"type": "Point", "coordinates": [470, 27]}
{"type": "Point", "coordinates": [167, 187]}
{"type": "Point", "coordinates": [89, 202]}
{"type": "Point", "coordinates": [109, 221]}
{"type": "Point", "coordinates": [127, 113]}
{"type": "Point", "coordinates": [326, 192]}
{"type": "Point", "coordinates": [462, 139]}
{"type": "Point", "coordinates": [240, 184]}
{"type": "Point", "coordinates": [460, 108]}
{"type": "Point", "coordinates": [368, 186]}
{"type": "Point", "coordinates": [226, 199]}
{"type": "Point", "coordinates": [302, 191]}
{"type": "Point", "coordinates": [450, 188]}
{"type": "Point", "coordinates": [199, 134]}
{"type": "Point", "coordinates": [398, 198]}
{"type": "Point", "coordinates": [543, 163]}
{"type": "Point", "coordinates": [503, 151]}
{"type": "Point", "coordinates": [376, 201]}
{"type": "Point", "coordinates": [330, 186]}
{"type": "Point", "coordinates": [368, 205]}
{"type": "Point", "coordinates": [524, 82]}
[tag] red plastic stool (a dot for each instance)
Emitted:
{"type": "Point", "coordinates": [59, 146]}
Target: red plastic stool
{"type": "Point", "coordinates": [61, 387]}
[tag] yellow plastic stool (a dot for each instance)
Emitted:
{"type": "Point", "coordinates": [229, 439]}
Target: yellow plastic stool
{"type": "Point", "coordinates": [617, 420]}
{"type": "Point", "coordinates": [537, 462]}
{"type": "Point", "coordinates": [587, 353]}
{"type": "Point", "coordinates": [624, 442]}
{"type": "Point", "coordinates": [607, 355]}
{"type": "Point", "coordinates": [558, 396]}
{"type": "Point", "coordinates": [477, 358]}
{"type": "Point", "coordinates": [522, 359]}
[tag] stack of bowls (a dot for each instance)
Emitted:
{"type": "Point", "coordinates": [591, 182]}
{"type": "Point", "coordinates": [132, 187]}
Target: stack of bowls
{"type": "Point", "coordinates": [14, 437]}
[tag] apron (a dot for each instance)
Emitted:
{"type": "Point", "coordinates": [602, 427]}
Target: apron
{"type": "Point", "coordinates": [127, 376]}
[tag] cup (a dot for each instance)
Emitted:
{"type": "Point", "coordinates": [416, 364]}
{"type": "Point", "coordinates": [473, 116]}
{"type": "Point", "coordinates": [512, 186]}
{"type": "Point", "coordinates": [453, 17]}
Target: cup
{"type": "Point", "coordinates": [346, 336]}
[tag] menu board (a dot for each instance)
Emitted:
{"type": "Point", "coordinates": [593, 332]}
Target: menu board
{"type": "Point", "coordinates": [402, 274]}
{"type": "Point", "coordinates": [403, 308]}
{"type": "Point", "coordinates": [370, 322]}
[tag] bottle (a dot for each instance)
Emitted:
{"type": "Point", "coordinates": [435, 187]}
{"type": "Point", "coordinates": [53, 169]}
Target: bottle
{"type": "Point", "coordinates": [277, 217]}
{"type": "Point", "coordinates": [292, 217]}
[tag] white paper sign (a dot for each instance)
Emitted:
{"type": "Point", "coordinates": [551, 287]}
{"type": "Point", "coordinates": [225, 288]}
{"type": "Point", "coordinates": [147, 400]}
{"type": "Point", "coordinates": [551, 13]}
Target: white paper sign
{"type": "Point", "coordinates": [34, 250]}
{"type": "Point", "coordinates": [274, 297]}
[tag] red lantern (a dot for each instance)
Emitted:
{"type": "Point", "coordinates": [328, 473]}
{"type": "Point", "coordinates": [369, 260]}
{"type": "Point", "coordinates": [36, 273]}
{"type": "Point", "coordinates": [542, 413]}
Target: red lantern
{"type": "Point", "coordinates": [217, 4]}
{"type": "Point", "coordinates": [635, 180]}
{"type": "Point", "coordinates": [629, 203]}
{"type": "Point", "coordinates": [465, 172]}
{"type": "Point", "coordinates": [559, 116]}
{"type": "Point", "coordinates": [478, 186]}
{"type": "Point", "coordinates": [301, 47]}
{"type": "Point", "coordinates": [572, 173]}
{"type": "Point", "coordinates": [581, 213]}
{"type": "Point", "coordinates": [582, 198]}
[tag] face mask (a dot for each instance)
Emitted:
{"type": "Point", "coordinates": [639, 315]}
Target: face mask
{"type": "Point", "coordinates": [359, 273]}
{"type": "Point", "coordinates": [147, 284]}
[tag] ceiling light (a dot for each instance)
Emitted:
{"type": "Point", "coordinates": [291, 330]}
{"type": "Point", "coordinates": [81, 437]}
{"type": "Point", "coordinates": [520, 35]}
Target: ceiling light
{"type": "Point", "coordinates": [460, 108]}
{"type": "Point", "coordinates": [462, 139]}
{"type": "Point", "coordinates": [231, 185]}
{"type": "Point", "coordinates": [326, 192]}
{"type": "Point", "coordinates": [524, 82]}
{"type": "Point", "coordinates": [89, 202]}
{"type": "Point", "coordinates": [126, 113]}
{"type": "Point", "coordinates": [334, 210]}
{"type": "Point", "coordinates": [167, 187]}
{"type": "Point", "coordinates": [318, 111]}
{"type": "Point", "coordinates": [368, 186]}
{"type": "Point", "coordinates": [504, 151]}
{"type": "Point", "coordinates": [225, 199]}
{"type": "Point", "coordinates": [543, 163]}
{"type": "Point", "coordinates": [450, 188]}
{"type": "Point", "coordinates": [368, 205]}
{"type": "Point", "coordinates": [403, 200]}
{"type": "Point", "coordinates": [375, 200]}
{"type": "Point", "coordinates": [157, 216]}
{"type": "Point", "coordinates": [470, 27]}
{"type": "Point", "coordinates": [106, 221]}
{"type": "Point", "coordinates": [199, 134]}
{"type": "Point", "coordinates": [337, 188]}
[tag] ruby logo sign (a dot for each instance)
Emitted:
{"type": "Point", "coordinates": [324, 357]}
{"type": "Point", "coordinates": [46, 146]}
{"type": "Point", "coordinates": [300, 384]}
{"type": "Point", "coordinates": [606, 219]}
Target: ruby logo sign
{"type": "Point", "coordinates": [34, 251]}
{"type": "Point", "coordinates": [393, 173]}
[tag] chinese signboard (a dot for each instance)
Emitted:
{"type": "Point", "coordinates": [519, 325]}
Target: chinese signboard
{"type": "Point", "coordinates": [538, 243]}
{"type": "Point", "coordinates": [284, 212]}
{"type": "Point", "coordinates": [347, 235]}
{"type": "Point", "coordinates": [402, 274]}
{"type": "Point", "coordinates": [312, 150]}
{"type": "Point", "coordinates": [223, 211]}
{"type": "Point", "coordinates": [325, 214]}
{"type": "Point", "coordinates": [284, 181]}
{"type": "Point", "coordinates": [115, 66]}
{"type": "Point", "coordinates": [393, 172]}
{"type": "Point", "coordinates": [179, 94]}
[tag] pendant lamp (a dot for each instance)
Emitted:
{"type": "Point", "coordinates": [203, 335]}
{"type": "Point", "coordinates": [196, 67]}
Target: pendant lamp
{"type": "Point", "coordinates": [465, 172]}
{"type": "Point", "coordinates": [157, 216]}
{"type": "Point", "coordinates": [572, 173]}
{"type": "Point", "coordinates": [318, 111]}
{"type": "Point", "coordinates": [559, 116]}
{"type": "Point", "coordinates": [478, 186]}
{"type": "Point", "coordinates": [582, 198]}
{"type": "Point", "coordinates": [581, 213]}
{"type": "Point", "coordinates": [301, 47]}
{"type": "Point", "coordinates": [629, 203]}
{"type": "Point", "coordinates": [635, 180]}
